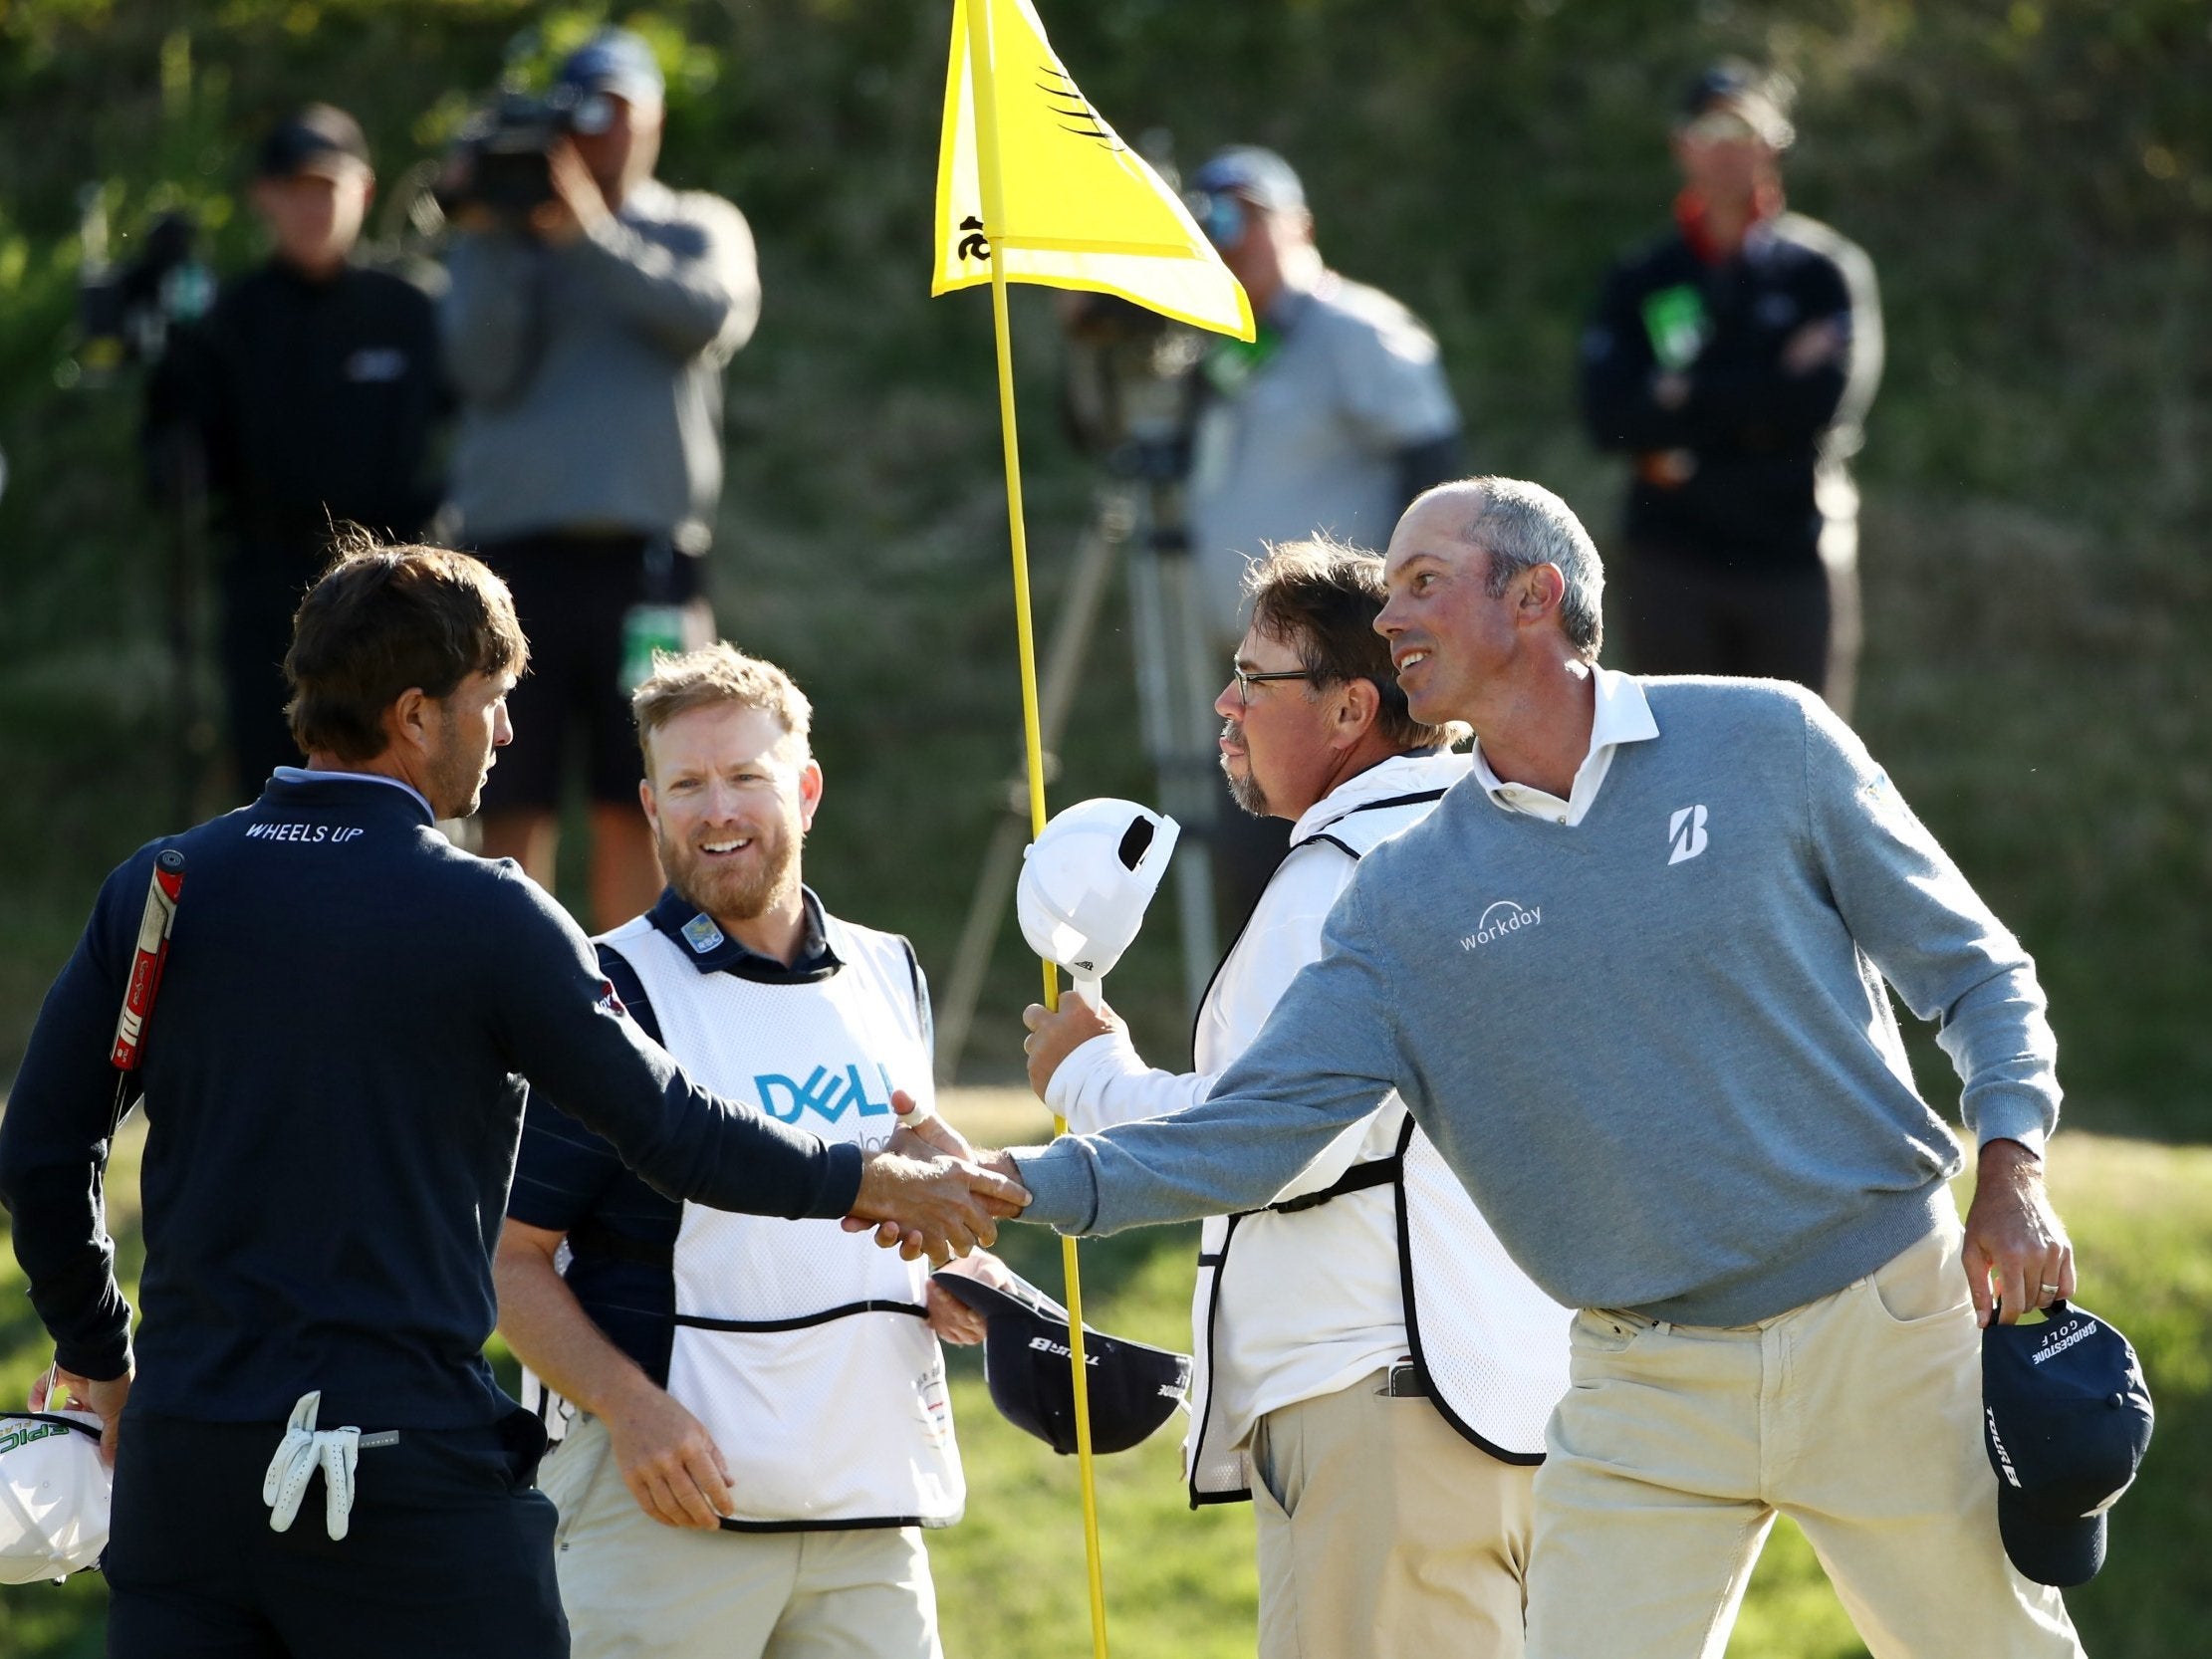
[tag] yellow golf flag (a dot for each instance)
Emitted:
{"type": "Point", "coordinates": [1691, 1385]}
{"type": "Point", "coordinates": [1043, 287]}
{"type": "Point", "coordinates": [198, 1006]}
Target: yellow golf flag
{"type": "Point", "coordinates": [1081, 209]}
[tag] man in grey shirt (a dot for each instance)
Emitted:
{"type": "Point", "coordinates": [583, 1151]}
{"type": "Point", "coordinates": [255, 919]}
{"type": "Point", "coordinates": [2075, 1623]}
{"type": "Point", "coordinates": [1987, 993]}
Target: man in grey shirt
{"type": "Point", "coordinates": [1631, 978]}
{"type": "Point", "coordinates": [1328, 424]}
{"type": "Point", "coordinates": [587, 341]}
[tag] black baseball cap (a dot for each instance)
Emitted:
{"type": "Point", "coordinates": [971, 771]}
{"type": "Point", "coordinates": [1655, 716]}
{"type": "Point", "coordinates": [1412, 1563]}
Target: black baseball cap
{"type": "Point", "coordinates": [2066, 1416]}
{"type": "Point", "coordinates": [1134, 1388]}
{"type": "Point", "coordinates": [321, 139]}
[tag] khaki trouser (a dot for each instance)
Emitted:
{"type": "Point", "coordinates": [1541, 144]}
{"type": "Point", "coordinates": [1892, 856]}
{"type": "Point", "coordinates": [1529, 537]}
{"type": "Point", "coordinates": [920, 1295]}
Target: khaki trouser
{"type": "Point", "coordinates": [1858, 1416]}
{"type": "Point", "coordinates": [1383, 1532]}
{"type": "Point", "coordinates": [634, 1587]}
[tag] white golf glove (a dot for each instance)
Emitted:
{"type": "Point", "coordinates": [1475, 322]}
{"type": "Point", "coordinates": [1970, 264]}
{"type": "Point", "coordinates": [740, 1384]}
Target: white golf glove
{"type": "Point", "coordinates": [305, 1449]}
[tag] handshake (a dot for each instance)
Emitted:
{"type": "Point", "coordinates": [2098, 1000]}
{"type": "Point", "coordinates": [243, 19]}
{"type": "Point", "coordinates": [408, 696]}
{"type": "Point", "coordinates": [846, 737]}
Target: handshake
{"type": "Point", "coordinates": [929, 1193]}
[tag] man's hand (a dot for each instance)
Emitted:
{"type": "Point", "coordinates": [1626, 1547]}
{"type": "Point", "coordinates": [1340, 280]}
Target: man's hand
{"type": "Point", "coordinates": [951, 1318]}
{"type": "Point", "coordinates": [1812, 346]}
{"type": "Point", "coordinates": [1057, 1033]}
{"type": "Point", "coordinates": [666, 1458]}
{"type": "Point", "coordinates": [2013, 1237]}
{"type": "Point", "coordinates": [577, 207]}
{"type": "Point", "coordinates": [938, 1207]}
{"type": "Point", "coordinates": [104, 1400]}
{"type": "Point", "coordinates": [924, 1135]}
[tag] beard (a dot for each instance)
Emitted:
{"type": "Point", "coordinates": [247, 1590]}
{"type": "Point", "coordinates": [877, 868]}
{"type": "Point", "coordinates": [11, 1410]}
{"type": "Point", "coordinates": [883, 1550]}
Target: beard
{"type": "Point", "coordinates": [738, 893]}
{"type": "Point", "coordinates": [1245, 790]}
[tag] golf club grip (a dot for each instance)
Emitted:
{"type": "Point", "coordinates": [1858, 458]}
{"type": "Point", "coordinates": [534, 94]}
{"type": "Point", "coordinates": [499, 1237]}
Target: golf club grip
{"type": "Point", "coordinates": [146, 962]}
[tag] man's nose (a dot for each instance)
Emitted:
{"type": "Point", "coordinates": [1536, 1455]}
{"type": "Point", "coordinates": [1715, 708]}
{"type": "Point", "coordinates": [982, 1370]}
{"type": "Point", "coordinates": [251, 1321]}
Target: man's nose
{"type": "Point", "coordinates": [1386, 622]}
{"type": "Point", "coordinates": [1230, 704]}
{"type": "Point", "coordinates": [503, 728]}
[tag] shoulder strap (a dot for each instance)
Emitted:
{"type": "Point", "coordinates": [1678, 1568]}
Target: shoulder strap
{"type": "Point", "coordinates": [627, 986]}
{"type": "Point", "coordinates": [1417, 799]}
{"type": "Point", "coordinates": [921, 990]}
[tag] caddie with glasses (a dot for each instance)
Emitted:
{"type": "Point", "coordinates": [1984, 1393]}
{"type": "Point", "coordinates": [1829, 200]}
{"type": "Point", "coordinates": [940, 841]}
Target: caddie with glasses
{"type": "Point", "coordinates": [1378, 1395]}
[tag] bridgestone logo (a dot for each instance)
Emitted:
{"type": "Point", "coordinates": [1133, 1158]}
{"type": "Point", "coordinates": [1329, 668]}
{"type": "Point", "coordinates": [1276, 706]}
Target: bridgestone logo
{"type": "Point", "coordinates": [1045, 1344]}
{"type": "Point", "coordinates": [2071, 1336]}
{"type": "Point", "coordinates": [1504, 917]}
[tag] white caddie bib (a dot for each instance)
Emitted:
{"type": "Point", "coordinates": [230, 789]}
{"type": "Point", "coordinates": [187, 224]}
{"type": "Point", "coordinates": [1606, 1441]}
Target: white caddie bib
{"type": "Point", "coordinates": [801, 1346]}
{"type": "Point", "coordinates": [1491, 1347]}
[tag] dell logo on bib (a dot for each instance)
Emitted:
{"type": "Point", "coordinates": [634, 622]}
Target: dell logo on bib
{"type": "Point", "coordinates": [1686, 830]}
{"type": "Point", "coordinates": [826, 1092]}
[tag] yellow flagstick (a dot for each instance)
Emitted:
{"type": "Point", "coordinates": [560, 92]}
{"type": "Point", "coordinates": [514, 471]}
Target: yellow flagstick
{"type": "Point", "coordinates": [994, 225]}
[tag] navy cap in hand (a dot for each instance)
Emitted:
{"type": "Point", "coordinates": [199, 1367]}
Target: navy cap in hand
{"type": "Point", "coordinates": [1133, 1388]}
{"type": "Point", "coordinates": [2066, 1416]}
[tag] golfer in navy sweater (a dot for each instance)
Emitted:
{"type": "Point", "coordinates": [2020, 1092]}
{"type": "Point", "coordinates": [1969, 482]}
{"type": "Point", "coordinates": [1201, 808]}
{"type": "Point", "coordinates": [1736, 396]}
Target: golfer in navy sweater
{"type": "Point", "coordinates": [334, 1089]}
{"type": "Point", "coordinates": [1630, 977]}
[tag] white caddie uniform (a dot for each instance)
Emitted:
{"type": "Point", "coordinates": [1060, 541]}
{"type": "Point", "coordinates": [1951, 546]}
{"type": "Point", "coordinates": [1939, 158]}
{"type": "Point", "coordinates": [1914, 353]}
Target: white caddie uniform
{"type": "Point", "coordinates": [801, 1348]}
{"type": "Point", "coordinates": [1373, 1272]}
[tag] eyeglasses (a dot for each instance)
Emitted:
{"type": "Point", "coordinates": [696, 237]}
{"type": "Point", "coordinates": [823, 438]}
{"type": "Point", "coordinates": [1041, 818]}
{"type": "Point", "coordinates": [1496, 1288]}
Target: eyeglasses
{"type": "Point", "coordinates": [1246, 679]}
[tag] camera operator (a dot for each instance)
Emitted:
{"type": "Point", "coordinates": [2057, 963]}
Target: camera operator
{"type": "Point", "coordinates": [586, 333]}
{"type": "Point", "coordinates": [315, 391]}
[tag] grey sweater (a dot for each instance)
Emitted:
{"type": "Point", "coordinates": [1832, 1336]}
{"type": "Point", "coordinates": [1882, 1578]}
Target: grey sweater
{"type": "Point", "coordinates": [590, 375]}
{"type": "Point", "coordinates": [1655, 1046]}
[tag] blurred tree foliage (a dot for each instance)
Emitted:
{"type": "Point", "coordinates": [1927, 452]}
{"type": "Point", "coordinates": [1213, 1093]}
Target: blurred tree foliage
{"type": "Point", "coordinates": [2032, 180]}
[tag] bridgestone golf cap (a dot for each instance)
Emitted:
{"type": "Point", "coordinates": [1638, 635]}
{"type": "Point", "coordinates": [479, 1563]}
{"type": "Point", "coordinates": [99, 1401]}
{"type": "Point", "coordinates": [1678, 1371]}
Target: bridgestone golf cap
{"type": "Point", "coordinates": [2067, 1417]}
{"type": "Point", "coordinates": [1087, 880]}
{"type": "Point", "coordinates": [53, 1494]}
{"type": "Point", "coordinates": [1134, 1388]}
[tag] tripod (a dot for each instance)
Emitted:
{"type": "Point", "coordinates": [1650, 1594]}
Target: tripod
{"type": "Point", "coordinates": [1138, 516]}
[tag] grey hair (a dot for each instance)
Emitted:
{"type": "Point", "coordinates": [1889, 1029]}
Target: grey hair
{"type": "Point", "coordinates": [1523, 524]}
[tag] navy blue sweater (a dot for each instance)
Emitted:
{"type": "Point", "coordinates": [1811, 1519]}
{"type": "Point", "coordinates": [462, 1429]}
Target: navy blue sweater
{"type": "Point", "coordinates": [333, 1088]}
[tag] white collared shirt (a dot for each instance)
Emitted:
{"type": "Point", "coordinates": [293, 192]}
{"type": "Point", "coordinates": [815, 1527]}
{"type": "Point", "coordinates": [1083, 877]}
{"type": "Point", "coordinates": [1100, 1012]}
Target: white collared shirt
{"type": "Point", "coordinates": [1622, 717]}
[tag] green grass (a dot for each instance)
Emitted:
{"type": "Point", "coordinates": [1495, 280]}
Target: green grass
{"type": "Point", "coordinates": [1011, 1577]}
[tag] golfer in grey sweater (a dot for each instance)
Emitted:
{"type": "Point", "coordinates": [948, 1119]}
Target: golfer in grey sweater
{"type": "Point", "coordinates": [1630, 977]}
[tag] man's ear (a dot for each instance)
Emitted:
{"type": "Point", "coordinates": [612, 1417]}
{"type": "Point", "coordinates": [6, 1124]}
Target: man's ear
{"type": "Point", "coordinates": [645, 799]}
{"type": "Point", "coordinates": [410, 721]}
{"type": "Point", "coordinates": [1543, 590]}
{"type": "Point", "coordinates": [810, 791]}
{"type": "Point", "coordinates": [1358, 705]}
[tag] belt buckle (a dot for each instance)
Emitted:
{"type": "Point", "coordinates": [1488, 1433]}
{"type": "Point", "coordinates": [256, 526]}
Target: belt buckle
{"type": "Point", "coordinates": [1404, 1381]}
